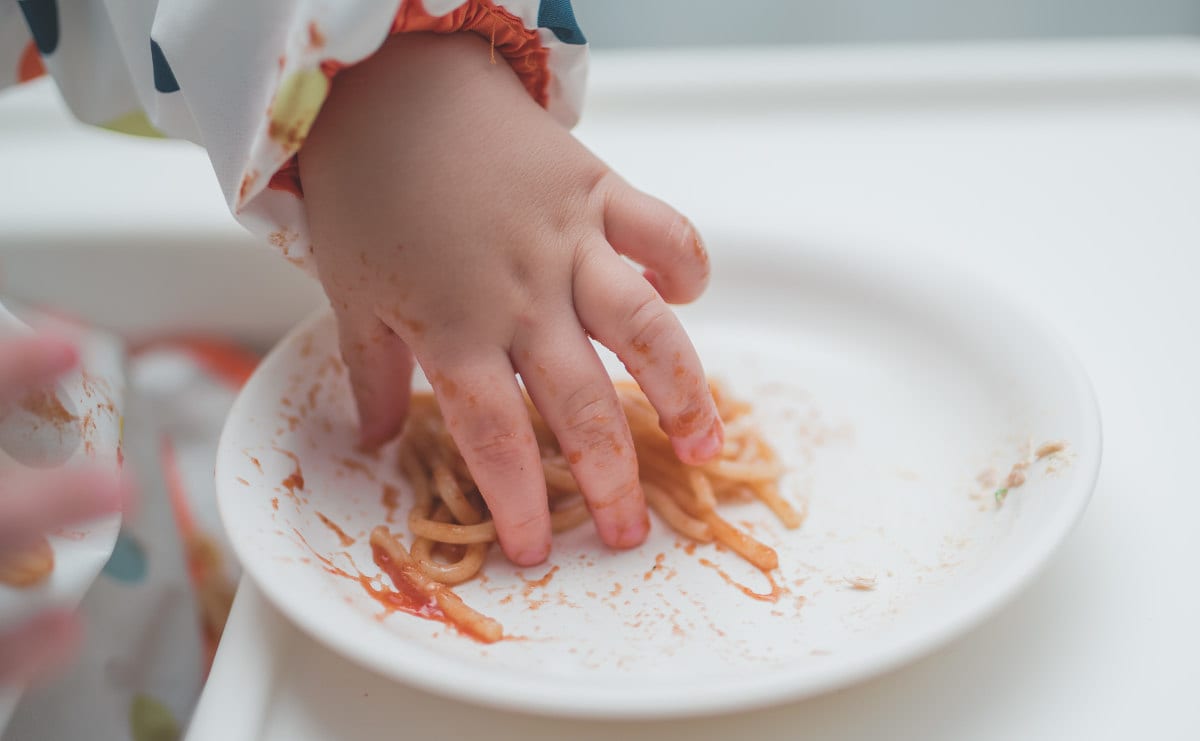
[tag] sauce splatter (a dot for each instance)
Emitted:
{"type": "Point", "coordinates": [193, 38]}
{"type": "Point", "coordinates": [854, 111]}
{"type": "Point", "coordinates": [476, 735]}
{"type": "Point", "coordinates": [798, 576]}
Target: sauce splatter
{"type": "Point", "coordinates": [46, 406]}
{"type": "Point", "coordinates": [352, 465]}
{"type": "Point", "coordinates": [275, 503]}
{"type": "Point", "coordinates": [532, 584]}
{"type": "Point", "coordinates": [405, 597]}
{"type": "Point", "coordinates": [338, 531]}
{"type": "Point", "coordinates": [1049, 449]}
{"type": "Point", "coordinates": [410, 597]}
{"type": "Point", "coordinates": [256, 462]}
{"type": "Point", "coordinates": [294, 480]}
{"type": "Point", "coordinates": [776, 592]}
{"type": "Point", "coordinates": [658, 564]}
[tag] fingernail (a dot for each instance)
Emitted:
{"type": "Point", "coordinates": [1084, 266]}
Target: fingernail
{"type": "Point", "coordinates": [633, 534]}
{"type": "Point", "coordinates": [532, 556]}
{"type": "Point", "coordinates": [703, 447]}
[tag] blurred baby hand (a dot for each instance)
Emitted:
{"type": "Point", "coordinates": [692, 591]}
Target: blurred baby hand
{"type": "Point", "coordinates": [35, 502]}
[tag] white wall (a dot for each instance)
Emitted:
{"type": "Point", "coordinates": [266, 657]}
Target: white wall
{"type": "Point", "coordinates": [610, 23]}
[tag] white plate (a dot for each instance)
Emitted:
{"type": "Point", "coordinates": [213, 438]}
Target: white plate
{"type": "Point", "coordinates": [888, 388]}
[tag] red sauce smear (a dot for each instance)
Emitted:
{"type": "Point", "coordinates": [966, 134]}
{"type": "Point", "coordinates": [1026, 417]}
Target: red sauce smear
{"type": "Point", "coordinates": [88, 425]}
{"type": "Point", "coordinates": [295, 479]}
{"type": "Point", "coordinates": [256, 462]}
{"type": "Point", "coordinates": [353, 465]}
{"type": "Point", "coordinates": [406, 597]}
{"type": "Point", "coordinates": [46, 405]}
{"type": "Point", "coordinates": [776, 592]}
{"type": "Point", "coordinates": [532, 584]}
{"type": "Point", "coordinates": [346, 539]}
{"type": "Point", "coordinates": [390, 498]}
{"type": "Point", "coordinates": [410, 598]}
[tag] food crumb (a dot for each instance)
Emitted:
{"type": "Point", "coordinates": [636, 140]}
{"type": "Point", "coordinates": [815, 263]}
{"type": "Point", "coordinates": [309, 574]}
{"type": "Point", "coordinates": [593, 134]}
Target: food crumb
{"type": "Point", "coordinates": [1016, 477]}
{"type": "Point", "coordinates": [1050, 448]}
{"type": "Point", "coordinates": [861, 583]}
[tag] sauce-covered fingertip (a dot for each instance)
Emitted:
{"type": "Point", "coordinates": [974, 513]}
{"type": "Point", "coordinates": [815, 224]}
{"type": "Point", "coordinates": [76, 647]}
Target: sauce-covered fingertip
{"type": "Point", "coordinates": [698, 449]}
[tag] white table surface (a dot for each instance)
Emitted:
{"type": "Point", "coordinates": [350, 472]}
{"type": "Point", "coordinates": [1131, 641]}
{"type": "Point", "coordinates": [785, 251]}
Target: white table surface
{"type": "Point", "coordinates": [1068, 172]}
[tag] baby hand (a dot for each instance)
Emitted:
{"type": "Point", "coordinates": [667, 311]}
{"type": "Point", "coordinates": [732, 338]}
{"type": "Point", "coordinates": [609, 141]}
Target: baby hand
{"type": "Point", "coordinates": [453, 219]}
{"type": "Point", "coordinates": [33, 503]}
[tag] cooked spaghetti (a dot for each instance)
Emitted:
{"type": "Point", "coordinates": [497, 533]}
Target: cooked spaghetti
{"type": "Point", "coordinates": [452, 531]}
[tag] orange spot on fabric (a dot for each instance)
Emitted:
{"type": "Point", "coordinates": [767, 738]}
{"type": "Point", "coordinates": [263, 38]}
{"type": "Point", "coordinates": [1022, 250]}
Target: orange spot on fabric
{"type": "Point", "coordinates": [30, 66]}
{"type": "Point", "coordinates": [316, 39]}
{"type": "Point", "coordinates": [283, 238]}
{"type": "Point", "coordinates": [248, 181]}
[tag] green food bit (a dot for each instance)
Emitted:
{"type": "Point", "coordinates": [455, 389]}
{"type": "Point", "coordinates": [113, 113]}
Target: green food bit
{"type": "Point", "coordinates": [1000, 495]}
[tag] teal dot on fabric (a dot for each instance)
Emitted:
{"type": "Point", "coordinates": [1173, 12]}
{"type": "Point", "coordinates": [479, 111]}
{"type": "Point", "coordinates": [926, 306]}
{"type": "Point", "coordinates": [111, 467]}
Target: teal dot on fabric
{"type": "Point", "coordinates": [42, 18]}
{"type": "Point", "coordinates": [164, 77]}
{"type": "Point", "coordinates": [559, 17]}
{"type": "Point", "coordinates": [127, 562]}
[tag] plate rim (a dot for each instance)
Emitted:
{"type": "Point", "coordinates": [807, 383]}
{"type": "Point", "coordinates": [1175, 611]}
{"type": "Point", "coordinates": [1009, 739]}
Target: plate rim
{"type": "Point", "coordinates": [436, 672]}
